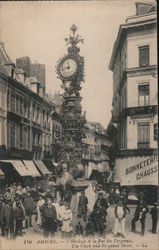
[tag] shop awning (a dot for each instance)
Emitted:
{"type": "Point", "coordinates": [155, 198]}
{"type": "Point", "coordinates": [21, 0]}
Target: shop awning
{"type": "Point", "coordinates": [140, 170]}
{"type": "Point", "coordinates": [31, 168]}
{"type": "Point", "coordinates": [19, 166]}
{"type": "Point", "coordinates": [40, 165]}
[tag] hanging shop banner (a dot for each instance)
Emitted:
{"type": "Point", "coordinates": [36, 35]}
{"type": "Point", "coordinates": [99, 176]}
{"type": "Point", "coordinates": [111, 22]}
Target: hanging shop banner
{"type": "Point", "coordinates": [138, 170]}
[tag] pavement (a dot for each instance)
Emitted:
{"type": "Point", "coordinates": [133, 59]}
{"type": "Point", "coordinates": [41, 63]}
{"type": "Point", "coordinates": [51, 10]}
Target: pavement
{"type": "Point", "coordinates": [131, 240]}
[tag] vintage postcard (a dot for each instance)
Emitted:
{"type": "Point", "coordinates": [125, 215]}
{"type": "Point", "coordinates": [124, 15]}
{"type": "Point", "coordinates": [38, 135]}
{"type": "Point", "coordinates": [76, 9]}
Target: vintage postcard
{"type": "Point", "coordinates": [78, 125]}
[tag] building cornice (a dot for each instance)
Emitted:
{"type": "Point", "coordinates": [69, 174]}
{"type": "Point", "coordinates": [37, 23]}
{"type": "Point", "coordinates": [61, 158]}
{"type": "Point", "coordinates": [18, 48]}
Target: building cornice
{"type": "Point", "coordinates": [122, 31]}
{"type": "Point", "coordinates": [18, 85]}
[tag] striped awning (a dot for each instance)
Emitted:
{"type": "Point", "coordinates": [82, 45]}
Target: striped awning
{"type": "Point", "coordinates": [18, 166]}
{"type": "Point", "coordinates": [31, 168]}
{"type": "Point", "coordinates": [43, 169]}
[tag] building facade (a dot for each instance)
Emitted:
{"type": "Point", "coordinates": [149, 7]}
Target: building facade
{"type": "Point", "coordinates": [25, 115]}
{"type": "Point", "coordinates": [95, 156]}
{"type": "Point", "coordinates": [133, 127]}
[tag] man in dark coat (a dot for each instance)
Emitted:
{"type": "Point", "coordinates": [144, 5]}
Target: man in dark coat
{"type": "Point", "coordinates": [6, 216]}
{"type": "Point", "coordinates": [49, 218]}
{"type": "Point", "coordinates": [140, 214]}
{"type": "Point", "coordinates": [103, 200]}
{"type": "Point", "coordinates": [82, 206]}
{"type": "Point", "coordinates": [29, 207]}
{"type": "Point", "coordinates": [1, 219]}
{"type": "Point", "coordinates": [19, 217]}
{"type": "Point", "coordinates": [154, 215]}
{"type": "Point", "coordinates": [99, 217]}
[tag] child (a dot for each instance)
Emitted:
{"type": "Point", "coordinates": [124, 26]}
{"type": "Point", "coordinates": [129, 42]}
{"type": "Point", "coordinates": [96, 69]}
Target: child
{"type": "Point", "coordinates": [66, 221]}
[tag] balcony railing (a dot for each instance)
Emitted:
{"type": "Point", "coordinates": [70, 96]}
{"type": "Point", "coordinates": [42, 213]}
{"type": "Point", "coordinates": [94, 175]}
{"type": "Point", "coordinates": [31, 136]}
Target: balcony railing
{"type": "Point", "coordinates": [143, 144]}
{"type": "Point", "coordinates": [152, 109]}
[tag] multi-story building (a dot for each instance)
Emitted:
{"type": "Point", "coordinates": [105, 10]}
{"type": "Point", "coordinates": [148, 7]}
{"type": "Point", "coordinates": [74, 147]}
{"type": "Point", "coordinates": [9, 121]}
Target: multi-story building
{"type": "Point", "coordinates": [96, 146]}
{"type": "Point", "coordinates": [56, 142]}
{"type": "Point", "coordinates": [25, 130]}
{"type": "Point", "coordinates": [133, 127]}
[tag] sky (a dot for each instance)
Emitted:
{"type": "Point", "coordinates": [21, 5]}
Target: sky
{"type": "Point", "coordinates": [37, 29]}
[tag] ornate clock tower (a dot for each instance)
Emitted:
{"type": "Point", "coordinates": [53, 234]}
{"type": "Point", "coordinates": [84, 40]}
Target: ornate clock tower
{"type": "Point", "coordinates": [70, 70]}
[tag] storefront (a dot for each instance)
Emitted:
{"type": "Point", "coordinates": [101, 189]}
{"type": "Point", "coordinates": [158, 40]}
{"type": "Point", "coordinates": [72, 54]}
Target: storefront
{"type": "Point", "coordinates": [138, 174]}
{"type": "Point", "coordinates": [14, 171]}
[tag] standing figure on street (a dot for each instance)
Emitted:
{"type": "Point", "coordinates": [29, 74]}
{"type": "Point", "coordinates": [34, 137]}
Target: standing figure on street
{"type": "Point", "coordinates": [1, 221]}
{"type": "Point", "coordinates": [39, 205]}
{"type": "Point", "coordinates": [98, 217]}
{"type": "Point", "coordinates": [154, 215]}
{"type": "Point", "coordinates": [140, 214]}
{"type": "Point", "coordinates": [49, 218]}
{"type": "Point", "coordinates": [66, 221]}
{"type": "Point", "coordinates": [19, 217]}
{"type": "Point", "coordinates": [7, 213]}
{"type": "Point", "coordinates": [120, 214]}
{"type": "Point", "coordinates": [82, 206]}
{"type": "Point", "coordinates": [29, 207]}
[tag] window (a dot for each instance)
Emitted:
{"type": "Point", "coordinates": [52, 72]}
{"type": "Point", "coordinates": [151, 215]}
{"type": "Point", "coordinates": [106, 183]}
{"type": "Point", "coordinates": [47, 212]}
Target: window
{"type": "Point", "coordinates": [33, 112]}
{"type": "Point", "coordinates": [21, 136]}
{"type": "Point", "coordinates": [143, 135]}
{"type": "Point", "coordinates": [155, 127]}
{"type": "Point", "coordinates": [17, 105]}
{"type": "Point", "coordinates": [13, 103]}
{"type": "Point", "coordinates": [28, 138]}
{"type": "Point", "coordinates": [144, 96]}
{"type": "Point", "coordinates": [12, 135]}
{"type": "Point", "coordinates": [38, 115]}
{"type": "Point", "coordinates": [25, 109]}
{"type": "Point", "coordinates": [21, 106]}
{"type": "Point", "coordinates": [28, 110]}
{"type": "Point", "coordinates": [144, 55]}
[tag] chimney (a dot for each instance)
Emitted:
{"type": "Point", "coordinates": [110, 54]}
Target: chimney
{"type": "Point", "coordinates": [21, 75]}
{"type": "Point", "coordinates": [41, 91]}
{"type": "Point", "coordinates": [34, 84]}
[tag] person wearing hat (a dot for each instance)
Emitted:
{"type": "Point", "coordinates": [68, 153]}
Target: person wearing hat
{"type": "Point", "coordinates": [19, 217]}
{"type": "Point", "coordinates": [99, 218]}
{"type": "Point", "coordinates": [82, 206]}
{"type": "Point", "coordinates": [29, 208]}
{"type": "Point", "coordinates": [49, 218]}
{"type": "Point", "coordinates": [120, 214]}
{"type": "Point", "coordinates": [140, 214]}
{"type": "Point", "coordinates": [154, 215]}
{"type": "Point", "coordinates": [1, 209]}
{"type": "Point", "coordinates": [6, 216]}
{"type": "Point", "coordinates": [66, 220]}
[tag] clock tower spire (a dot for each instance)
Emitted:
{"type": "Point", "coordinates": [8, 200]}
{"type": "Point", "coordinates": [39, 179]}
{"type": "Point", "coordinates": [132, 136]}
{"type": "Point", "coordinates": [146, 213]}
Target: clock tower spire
{"type": "Point", "coordinates": [70, 70]}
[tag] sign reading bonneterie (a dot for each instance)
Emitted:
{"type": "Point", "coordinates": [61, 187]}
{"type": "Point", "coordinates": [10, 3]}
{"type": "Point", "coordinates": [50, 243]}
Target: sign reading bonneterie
{"type": "Point", "coordinates": [139, 170]}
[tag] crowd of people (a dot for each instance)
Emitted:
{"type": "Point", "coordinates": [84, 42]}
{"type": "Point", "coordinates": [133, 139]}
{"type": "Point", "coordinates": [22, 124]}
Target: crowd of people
{"type": "Point", "coordinates": [19, 203]}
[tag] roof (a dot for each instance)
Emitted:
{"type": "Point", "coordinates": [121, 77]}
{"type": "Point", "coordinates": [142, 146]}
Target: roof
{"type": "Point", "coordinates": [18, 71]}
{"type": "Point", "coordinates": [4, 58]}
{"type": "Point", "coordinates": [33, 79]}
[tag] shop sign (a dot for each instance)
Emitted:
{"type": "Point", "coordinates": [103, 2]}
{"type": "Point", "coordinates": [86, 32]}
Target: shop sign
{"type": "Point", "coordinates": [138, 170]}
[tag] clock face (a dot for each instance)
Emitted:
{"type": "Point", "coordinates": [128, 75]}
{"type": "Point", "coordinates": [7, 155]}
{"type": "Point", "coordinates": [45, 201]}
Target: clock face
{"type": "Point", "coordinates": [68, 68]}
